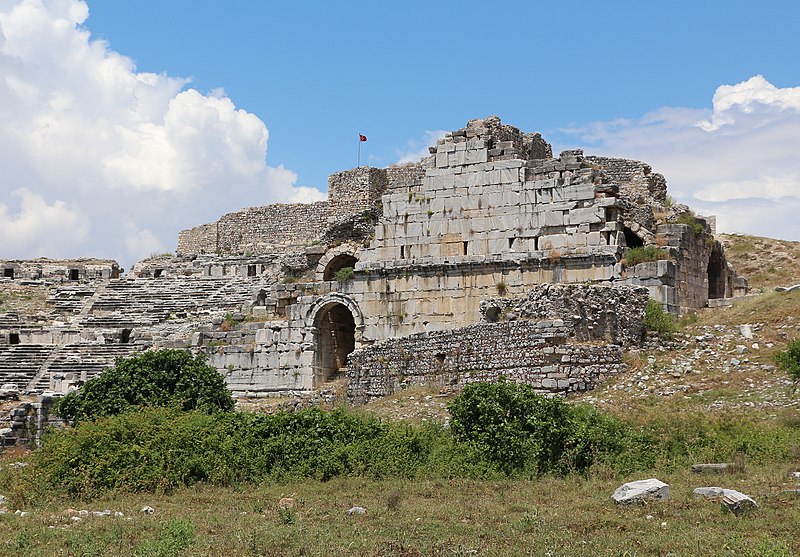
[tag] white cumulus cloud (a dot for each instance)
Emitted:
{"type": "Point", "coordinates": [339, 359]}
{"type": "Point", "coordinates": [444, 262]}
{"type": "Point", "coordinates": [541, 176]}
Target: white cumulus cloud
{"type": "Point", "coordinates": [737, 160]}
{"type": "Point", "coordinates": [108, 145]}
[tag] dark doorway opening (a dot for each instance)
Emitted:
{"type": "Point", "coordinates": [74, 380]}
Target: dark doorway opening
{"type": "Point", "coordinates": [125, 336]}
{"type": "Point", "coordinates": [8, 273]}
{"type": "Point", "coordinates": [73, 274]}
{"type": "Point", "coordinates": [251, 270]}
{"type": "Point", "coordinates": [338, 263]}
{"type": "Point", "coordinates": [13, 338]}
{"type": "Point", "coordinates": [717, 279]}
{"type": "Point", "coordinates": [158, 273]}
{"type": "Point", "coordinates": [631, 239]}
{"type": "Point", "coordinates": [336, 339]}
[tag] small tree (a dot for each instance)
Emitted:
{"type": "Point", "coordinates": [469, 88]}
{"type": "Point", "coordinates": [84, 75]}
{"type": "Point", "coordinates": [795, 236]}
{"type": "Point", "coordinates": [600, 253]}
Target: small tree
{"type": "Point", "coordinates": [789, 361]}
{"type": "Point", "coordinates": [154, 378]}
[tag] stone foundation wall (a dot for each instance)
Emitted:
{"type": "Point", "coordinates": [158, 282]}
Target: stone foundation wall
{"type": "Point", "coordinates": [612, 314]}
{"type": "Point", "coordinates": [530, 352]}
{"type": "Point", "coordinates": [259, 359]}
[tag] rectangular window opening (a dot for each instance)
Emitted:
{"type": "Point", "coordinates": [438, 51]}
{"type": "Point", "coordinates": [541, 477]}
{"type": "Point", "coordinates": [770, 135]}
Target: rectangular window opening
{"type": "Point", "coordinates": [402, 252]}
{"type": "Point", "coordinates": [158, 273]}
{"type": "Point", "coordinates": [73, 274]}
{"type": "Point", "coordinates": [464, 248]}
{"type": "Point", "coordinates": [8, 273]}
{"type": "Point", "coordinates": [13, 338]}
{"type": "Point", "coordinates": [251, 270]}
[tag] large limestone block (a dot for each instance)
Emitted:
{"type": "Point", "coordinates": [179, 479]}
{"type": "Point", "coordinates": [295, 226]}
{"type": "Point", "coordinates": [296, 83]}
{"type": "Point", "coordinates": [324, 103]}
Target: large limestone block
{"type": "Point", "coordinates": [642, 490]}
{"type": "Point", "coordinates": [587, 215]}
{"type": "Point", "coordinates": [552, 218]}
{"type": "Point", "coordinates": [475, 156]}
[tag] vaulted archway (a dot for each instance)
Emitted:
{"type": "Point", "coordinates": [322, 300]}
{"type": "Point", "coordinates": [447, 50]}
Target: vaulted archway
{"type": "Point", "coordinates": [717, 276]}
{"type": "Point", "coordinates": [334, 340]}
{"type": "Point", "coordinates": [338, 263]}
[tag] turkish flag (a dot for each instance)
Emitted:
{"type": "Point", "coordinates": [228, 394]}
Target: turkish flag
{"type": "Point", "coordinates": [362, 137]}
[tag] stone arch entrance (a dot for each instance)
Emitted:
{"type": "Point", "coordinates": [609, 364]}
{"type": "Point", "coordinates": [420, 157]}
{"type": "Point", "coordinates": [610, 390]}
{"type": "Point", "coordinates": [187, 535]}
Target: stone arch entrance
{"type": "Point", "coordinates": [335, 338]}
{"type": "Point", "coordinates": [334, 260]}
{"type": "Point", "coordinates": [717, 279]}
{"type": "Point", "coordinates": [337, 326]}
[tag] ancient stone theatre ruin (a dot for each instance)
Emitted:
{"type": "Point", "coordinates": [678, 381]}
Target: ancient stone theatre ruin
{"type": "Point", "coordinates": [489, 257]}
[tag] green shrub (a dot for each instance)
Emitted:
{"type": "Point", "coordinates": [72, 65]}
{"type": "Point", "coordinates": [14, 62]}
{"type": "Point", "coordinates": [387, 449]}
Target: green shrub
{"type": "Point", "coordinates": [789, 361]}
{"type": "Point", "coordinates": [634, 256]}
{"type": "Point", "coordinates": [689, 219]}
{"type": "Point", "coordinates": [153, 378]}
{"type": "Point", "coordinates": [344, 274]}
{"type": "Point", "coordinates": [659, 321]}
{"type": "Point", "coordinates": [520, 431]}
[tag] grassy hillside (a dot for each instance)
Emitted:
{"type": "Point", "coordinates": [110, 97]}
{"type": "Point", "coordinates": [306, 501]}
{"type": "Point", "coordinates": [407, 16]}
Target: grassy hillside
{"type": "Point", "coordinates": [765, 262]}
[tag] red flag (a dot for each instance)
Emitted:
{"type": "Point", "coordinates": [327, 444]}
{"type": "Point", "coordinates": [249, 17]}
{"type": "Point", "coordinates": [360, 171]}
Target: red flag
{"type": "Point", "coordinates": [362, 137]}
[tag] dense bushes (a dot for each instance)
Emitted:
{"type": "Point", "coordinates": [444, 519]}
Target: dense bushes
{"type": "Point", "coordinates": [497, 430]}
{"type": "Point", "coordinates": [518, 430]}
{"type": "Point", "coordinates": [155, 378]}
{"type": "Point", "coordinates": [163, 448]}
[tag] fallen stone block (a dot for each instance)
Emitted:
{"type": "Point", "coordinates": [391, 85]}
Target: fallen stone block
{"type": "Point", "coordinates": [642, 490]}
{"type": "Point", "coordinates": [714, 467]}
{"type": "Point", "coordinates": [732, 500]}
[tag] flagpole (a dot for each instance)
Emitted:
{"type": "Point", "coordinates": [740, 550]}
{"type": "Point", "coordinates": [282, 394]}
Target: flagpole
{"type": "Point", "coordinates": [359, 151]}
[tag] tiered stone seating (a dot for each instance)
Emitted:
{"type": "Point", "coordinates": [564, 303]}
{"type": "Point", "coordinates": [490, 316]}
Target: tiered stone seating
{"type": "Point", "coordinates": [70, 299]}
{"type": "Point", "coordinates": [131, 303]}
{"type": "Point", "coordinates": [9, 320]}
{"type": "Point", "coordinates": [19, 363]}
{"type": "Point", "coordinates": [84, 360]}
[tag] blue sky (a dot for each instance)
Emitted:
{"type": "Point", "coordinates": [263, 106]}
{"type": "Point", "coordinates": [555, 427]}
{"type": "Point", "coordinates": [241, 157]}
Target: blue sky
{"type": "Point", "coordinates": [128, 121]}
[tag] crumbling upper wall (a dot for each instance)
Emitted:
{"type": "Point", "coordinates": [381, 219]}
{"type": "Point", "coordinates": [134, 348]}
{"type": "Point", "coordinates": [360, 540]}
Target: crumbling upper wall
{"type": "Point", "coordinates": [84, 268]}
{"type": "Point", "coordinates": [257, 229]}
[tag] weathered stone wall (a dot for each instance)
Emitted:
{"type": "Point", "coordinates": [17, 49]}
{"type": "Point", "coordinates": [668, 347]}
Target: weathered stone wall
{"type": "Point", "coordinates": [526, 351]}
{"type": "Point", "coordinates": [636, 179]}
{"type": "Point", "coordinates": [404, 178]}
{"type": "Point", "coordinates": [692, 253]}
{"type": "Point", "coordinates": [612, 314]}
{"type": "Point", "coordinates": [257, 229]}
{"type": "Point", "coordinates": [260, 359]}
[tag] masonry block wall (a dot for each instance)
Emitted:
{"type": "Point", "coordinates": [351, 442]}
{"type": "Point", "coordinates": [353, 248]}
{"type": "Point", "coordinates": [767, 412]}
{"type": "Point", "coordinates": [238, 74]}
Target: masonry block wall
{"type": "Point", "coordinates": [257, 230]}
{"type": "Point", "coordinates": [527, 352]}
